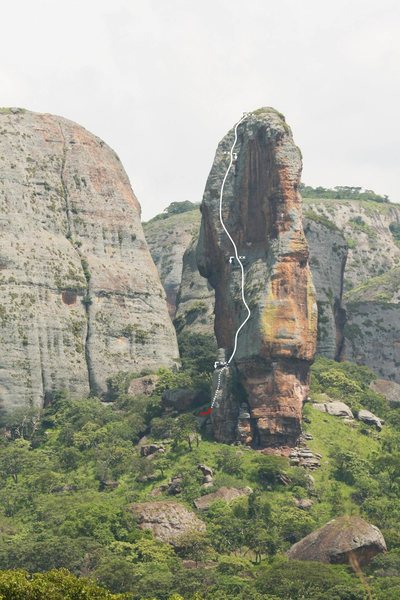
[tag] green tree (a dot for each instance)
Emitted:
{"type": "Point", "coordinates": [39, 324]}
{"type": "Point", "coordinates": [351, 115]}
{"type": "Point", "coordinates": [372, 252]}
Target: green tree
{"type": "Point", "coordinates": [54, 585]}
{"type": "Point", "coordinates": [229, 461]}
{"type": "Point", "coordinates": [14, 458]}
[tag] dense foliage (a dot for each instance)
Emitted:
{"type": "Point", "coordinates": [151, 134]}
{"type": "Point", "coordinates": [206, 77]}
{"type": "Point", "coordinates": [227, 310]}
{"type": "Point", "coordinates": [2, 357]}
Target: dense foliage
{"type": "Point", "coordinates": [175, 208]}
{"type": "Point", "coordinates": [68, 480]}
{"type": "Point", "coordinates": [344, 192]}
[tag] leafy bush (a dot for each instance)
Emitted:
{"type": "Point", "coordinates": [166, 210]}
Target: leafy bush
{"type": "Point", "coordinates": [54, 585]}
{"type": "Point", "coordinates": [296, 580]}
{"type": "Point", "coordinates": [270, 469]}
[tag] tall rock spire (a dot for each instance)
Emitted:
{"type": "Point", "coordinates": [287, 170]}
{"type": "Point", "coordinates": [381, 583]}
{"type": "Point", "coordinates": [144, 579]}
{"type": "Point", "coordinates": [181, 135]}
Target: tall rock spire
{"type": "Point", "coordinates": [261, 209]}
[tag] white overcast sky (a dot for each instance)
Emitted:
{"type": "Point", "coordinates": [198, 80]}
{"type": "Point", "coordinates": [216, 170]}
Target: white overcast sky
{"type": "Point", "coordinates": [162, 81]}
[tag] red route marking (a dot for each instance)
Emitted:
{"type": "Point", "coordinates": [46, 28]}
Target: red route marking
{"type": "Point", "coordinates": [205, 413]}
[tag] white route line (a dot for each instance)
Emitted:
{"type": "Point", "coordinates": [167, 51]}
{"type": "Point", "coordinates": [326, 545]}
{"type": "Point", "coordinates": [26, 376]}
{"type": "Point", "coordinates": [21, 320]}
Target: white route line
{"type": "Point", "coordinates": [238, 258]}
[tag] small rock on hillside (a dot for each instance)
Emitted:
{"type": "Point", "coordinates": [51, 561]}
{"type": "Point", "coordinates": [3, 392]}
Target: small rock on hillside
{"type": "Point", "coordinates": [340, 540]}
{"type": "Point", "coordinates": [227, 494]}
{"type": "Point", "coordinates": [369, 418]}
{"type": "Point", "coordinates": [335, 408]}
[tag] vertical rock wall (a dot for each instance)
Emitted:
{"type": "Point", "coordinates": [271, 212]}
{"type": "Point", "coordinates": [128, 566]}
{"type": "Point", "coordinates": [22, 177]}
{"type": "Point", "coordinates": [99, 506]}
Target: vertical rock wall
{"type": "Point", "coordinates": [80, 297]}
{"type": "Point", "coordinates": [262, 211]}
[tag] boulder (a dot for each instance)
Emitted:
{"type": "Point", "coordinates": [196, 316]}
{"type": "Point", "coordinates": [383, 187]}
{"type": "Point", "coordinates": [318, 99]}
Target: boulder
{"type": "Point", "coordinates": [303, 503]}
{"type": "Point", "coordinates": [167, 521]}
{"type": "Point", "coordinates": [262, 209]}
{"type": "Point", "coordinates": [389, 389]}
{"type": "Point", "coordinates": [227, 494]}
{"type": "Point", "coordinates": [149, 449]}
{"type": "Point", "coordinates": [335, 408]}
{"type": "Point", "coordinates": [205, 470]}
{"type": "Point", "coordinates": [174, 487]}
{"type": "Point", "coordinates": [303, 457]}
{"type": "Point", "coordinates": [368, 417]}
{"type": "Point", "coordinates": [340, 540]}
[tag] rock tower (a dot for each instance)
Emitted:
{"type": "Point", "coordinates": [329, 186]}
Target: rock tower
{"type": "Point", "coordinates": [263, 392]}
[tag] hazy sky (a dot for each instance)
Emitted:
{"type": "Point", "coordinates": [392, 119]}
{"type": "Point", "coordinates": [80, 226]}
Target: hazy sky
{"type": "Point", "coordinates": [162, 81]}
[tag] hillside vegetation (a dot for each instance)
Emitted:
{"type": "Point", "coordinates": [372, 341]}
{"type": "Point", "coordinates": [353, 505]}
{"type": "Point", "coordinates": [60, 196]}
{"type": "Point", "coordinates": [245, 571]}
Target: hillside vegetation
{"type": "Point", "coordinates": [68, 481]}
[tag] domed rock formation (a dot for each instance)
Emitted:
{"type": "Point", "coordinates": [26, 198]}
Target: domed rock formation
{"type": "Point", "coordinates": [340, 541]}
{"type": "Point", "coordinates": [262, 212]}
{"type": "Point", "coordinates": [80, 297]}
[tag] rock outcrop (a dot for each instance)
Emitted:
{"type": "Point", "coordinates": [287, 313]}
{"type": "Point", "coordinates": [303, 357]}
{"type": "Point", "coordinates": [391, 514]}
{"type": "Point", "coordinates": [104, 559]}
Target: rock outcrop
{"type": "Point", "coordinates": [365, 232]}
{"type": "Point", "coordinates": [371, 279]}
{"type": "Point", "coordinates": [340, 541]}
{"type": "Point", "coordinates": [80, 297]}
{"type": "Point", "coordinates": [168, 238]}
{"type": "Point", "coordinates": [225, 494]}
{"type": "Point", "coordinates": [334, 408]}
{"type": "Point", "coordinates": [168, 521]}
{"type": "Point", "coordinates": [262, 211]}
{"type": "Point", "coordinates": [369, 418]}
{"type": "Point", "coordinates": [373, 324]}
{"type": "Point", "coordinates": [195, 310]}
{"type": "Point", "coordinates": [328, 256]}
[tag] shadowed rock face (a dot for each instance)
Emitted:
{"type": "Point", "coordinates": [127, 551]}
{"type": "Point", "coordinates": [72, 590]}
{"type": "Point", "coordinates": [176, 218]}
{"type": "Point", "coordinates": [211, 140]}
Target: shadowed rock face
{"type": "Point", "coordinates": [80, 297]}
{"type": "Point", "coordinates": [262, 211]}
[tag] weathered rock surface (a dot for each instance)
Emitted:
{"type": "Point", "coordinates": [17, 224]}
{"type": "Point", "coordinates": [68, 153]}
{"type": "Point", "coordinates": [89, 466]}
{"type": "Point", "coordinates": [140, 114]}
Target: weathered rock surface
{"type": "Point", "coordinates": [363, 230]}
{"type": "Point", "coordinates": [339, 540]}
{"type": "Point", "coordinates": [168, 240]}
{"type": "Point", "coordinates": [373, 325]}
{"type": "Point", "coordinates": [80, 297]}
{"type": "Point", "coordinates": [167, 520]}
{"type": "Point", "coordinates": [302, 456]}
{"type": "Point", "coordinates": [262, 211]}
{"type": "Point", "coordinates": [389, 389]}
{"type": "Point", "coordinates": [150, 449]}
{"type": "Point", "coordinates": [303, 503]}
{"type": "Point", "coordinates": [328, 256]}
{"type": "Point", "coordinates": [195, 310]}
{"type": "Point", "coordinates": [227, 494]}
{"type": "Point", "coordinates": [369, 418]}
{"type": "Point", "coordinates": [335, 408]}
{"type": "Point", "coordinates": [371, 280]}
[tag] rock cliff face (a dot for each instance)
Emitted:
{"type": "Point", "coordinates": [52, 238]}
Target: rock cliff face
{"type": "Point", "coordinates": [195, 310]}
{"type": "Point", "coordinates": [365, 233]}
{"type": "Point", "coordinates": [80, 297]}
{"type": "Point", "coordinates": [195, 297]}
{"type": "Point", "coordinates": [168, 239]}
{"type": "Point", "coordinates": [373, 324]}
{"type": "Point", "coordinates": [328, 255]}
{"type": "Point", "coordinates": [370, 283]}
{"type": "Point", "coordinates": [262, 211]}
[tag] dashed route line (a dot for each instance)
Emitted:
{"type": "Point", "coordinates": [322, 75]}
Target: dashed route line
{"type": "Point", "coordinates": [238, 258]}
